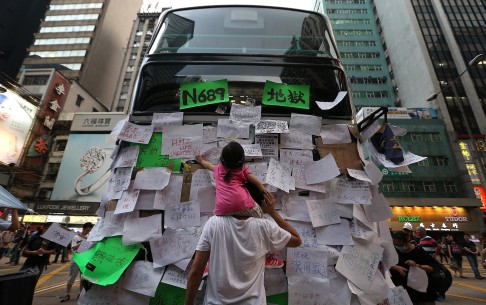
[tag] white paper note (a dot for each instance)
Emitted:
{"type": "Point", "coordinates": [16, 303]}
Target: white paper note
{"type": "Point", "coordinates": [252, 150]}
{"type": "Point", "coordinates": [417, 279]}
{"type": "Point", "coordinates": [330, 105]}
{"type": "Point", "coordinates": [335, 134]}
{"type": "Point", "coordinates": [295, 208]}
{"type": "Point", "coordinates": [141, 277]}
{"type": "Point", "coordinates": [59, 234]}
{"type": "Point", "coordinates": [175, 277]}
{"type": "Point", "coordinates": [399, 296]}
{"type": "Point", "coordinates": [228, 129]}
{"type": "Point", "coordinates": [306, 262]}
{"type": "Point", "coordinates": [145, 200]}
{"type": "Point", "coordinates": [323, 212]}
{"type": "Point", "coordinates": [322, 170]}
{"type": "Point", "coordinates": [275, 281]}
{"type": "Point", "coordinates": [373, 172]}
{"type": "Point", "coordinates": [165, 121]}
{"type": "Point", "coordinates": [294, 157]}
{"type": "Point", "coordinates": [309, 124]}
{"type": "Point", "coordinates": [210, 134]}
{"type": "Point", "coordinates": [182, 214]}
{"type": "Point", "coordinates": [336, 234]}
{"type": "Point", "coordinates": [296, 139]}
{"type": "Point", "coordinates": [309, 291]}
{"type": "Point", "coordinates": [180, 132]}
{"type": "Point", "coordinates": [173, 246]}
{"type": "Point", "coordinates": [351, 192]}
{"type": "Point", "coordinates": [298, 174]}
{"type": "Point", "coordinates": [142, 229]}
{"type": "Point", "coordinates": [358, 174]}
{"type": "Point", "coordinates": [185, 147]}
{"type": "Point", "coordinates": [127, 157]}
{"type": "Point", "coordinates": [279, 175]}
{"type": "Point", "coordinates": [212, 154]}
{"type": "Point", "coordinates": [271, 126]}
{"type": "Point", "coordinates": [127, 201]}
{"type": "Point", "coordinates": [307, 233]}
{"type": "Point", "coordinates": [120, 181]}
{"type": "Point", "coordinates": [245, 114]}
{"type": "Point", "coordinates": [206, 197]}
{"type": "Point", "coordinates": [136, 133]}
{"type": "Point", "coordinates": [259, 169]}
{"type": "Point", "coordinates": [153, 178]}
{"type": "Point", "coordinates": [170, 194]}
{"type": "Point", "coordinates": [379, 209]}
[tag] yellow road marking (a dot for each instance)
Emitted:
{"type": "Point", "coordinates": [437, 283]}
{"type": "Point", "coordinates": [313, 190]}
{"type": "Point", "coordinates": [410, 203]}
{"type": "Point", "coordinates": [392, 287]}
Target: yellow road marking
{"type": "Point", "coordinates": [470, 286]}
{"type": "Point", "coordinates": [465, 297]}
{"type": "Point", "coordinates": [48, 276]}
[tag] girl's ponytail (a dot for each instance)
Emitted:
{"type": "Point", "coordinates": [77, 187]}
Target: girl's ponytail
{"type": "Point", "coordinates": [227, 177]}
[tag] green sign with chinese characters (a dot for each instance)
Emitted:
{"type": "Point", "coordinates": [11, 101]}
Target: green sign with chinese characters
{"type": "Point", "coordinates": [149, 154]}
{"type": "Point", "coordinates": [203, 93]}
{"type": "Point", "coordinates": [295, 96]}
{"type": "Point", "coordinates": [106, 261]}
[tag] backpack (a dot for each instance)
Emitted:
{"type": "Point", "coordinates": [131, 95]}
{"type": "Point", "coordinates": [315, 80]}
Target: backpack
{"type": "Point", "coordinates": [440, 280]}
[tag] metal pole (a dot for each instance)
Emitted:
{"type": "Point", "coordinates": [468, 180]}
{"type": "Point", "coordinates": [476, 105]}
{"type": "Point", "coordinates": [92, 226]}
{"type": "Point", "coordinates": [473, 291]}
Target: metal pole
{"type": "Point", "coordinates": [471, 144]}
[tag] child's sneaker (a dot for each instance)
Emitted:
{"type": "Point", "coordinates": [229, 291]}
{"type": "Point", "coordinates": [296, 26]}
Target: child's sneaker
{"type": "Point", "coordinates": [273, 262]}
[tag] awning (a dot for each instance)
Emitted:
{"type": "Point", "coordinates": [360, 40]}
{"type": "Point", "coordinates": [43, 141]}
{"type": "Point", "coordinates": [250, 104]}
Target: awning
{"type": "Point", "coordinates": [430, 202]}
{"type": "Point", "coordinates": [10, 201]}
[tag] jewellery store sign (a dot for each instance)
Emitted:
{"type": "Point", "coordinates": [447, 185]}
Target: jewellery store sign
{"type": "Point", "coordinates": [96, 121]}
{"type": "Point", "coordinates": [66, 208]}
{"type": "Point", "coordinates": [434, 218]}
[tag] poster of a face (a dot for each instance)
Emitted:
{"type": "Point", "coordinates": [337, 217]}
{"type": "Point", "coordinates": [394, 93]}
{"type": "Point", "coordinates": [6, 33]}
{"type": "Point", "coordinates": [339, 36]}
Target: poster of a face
{"type": "Point", "coordinates": [85, 168]}
{"type": "Point", "coordinates": [16, 117]}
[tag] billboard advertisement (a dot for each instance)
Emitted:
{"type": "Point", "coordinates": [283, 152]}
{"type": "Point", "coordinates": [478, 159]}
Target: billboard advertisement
{"type": "Point", "coordinates": [85, 168]}
{"type": "Point", "coordinates": [16, 117]}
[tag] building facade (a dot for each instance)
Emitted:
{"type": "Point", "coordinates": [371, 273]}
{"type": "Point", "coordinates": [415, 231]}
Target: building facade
{"type": "Point", "coordinates": [361, 51]}
{"type": "Point", "coordinates": [85, 41]}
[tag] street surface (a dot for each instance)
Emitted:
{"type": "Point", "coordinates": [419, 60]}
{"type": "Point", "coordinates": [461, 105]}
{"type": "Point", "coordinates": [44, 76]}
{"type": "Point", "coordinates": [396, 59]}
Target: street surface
{"type": "Point", "coordinates": [52, 285]}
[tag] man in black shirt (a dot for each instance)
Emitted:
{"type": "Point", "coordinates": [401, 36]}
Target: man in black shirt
{"type": "Point", "coordinates": [38, 251]}
{"type": "Point", "coordinates": [471, 252]}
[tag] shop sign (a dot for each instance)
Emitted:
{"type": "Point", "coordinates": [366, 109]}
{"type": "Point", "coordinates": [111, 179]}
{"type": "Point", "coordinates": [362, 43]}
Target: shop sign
{"type": "Point", "coordinates": [63, 207]}
{"type": "Point", "coordinates": [465, 151]}
{"type": "Point", "coordinates": [99, 121]}
{"type": "Point", "coordinates": [434, 218]}
{"type": "Point", "coordinates": [409, 218]}
{"type": "Point", "coordinates": [473, 173]}
{"type": "Point", "coordinates": [480, 194]}
{"type": "Point", "coordinates": [385, 171]}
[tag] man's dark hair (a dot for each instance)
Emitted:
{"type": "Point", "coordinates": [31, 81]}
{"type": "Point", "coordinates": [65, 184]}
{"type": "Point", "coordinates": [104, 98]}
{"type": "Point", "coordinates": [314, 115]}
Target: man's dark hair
{"type": "Point", "coordinates": [88, 225]}
{"type": "Point", "coordinates": [401, 236]}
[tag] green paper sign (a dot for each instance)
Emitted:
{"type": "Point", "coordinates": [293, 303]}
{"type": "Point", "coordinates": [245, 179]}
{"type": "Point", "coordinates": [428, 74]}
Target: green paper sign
{"type": "Point", "coordinates": [294, 96]}
{"type": "Point", "coordinates": [149, 154]}
{"type": "Point", "coordinates": [203, 93]}
{"type": "Point", "coordinates": [106, 261]}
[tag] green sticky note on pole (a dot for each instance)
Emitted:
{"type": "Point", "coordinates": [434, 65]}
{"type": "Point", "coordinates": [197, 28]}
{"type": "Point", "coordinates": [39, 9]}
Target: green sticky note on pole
{"type": "Point", "coordinates": [294, 96]}
{"type": "Point", "coordinates": [106, 261]}
{"type": "Point", "coordinates": [199, 94]}
{"type": "Point", "coordinates": [149, 154]}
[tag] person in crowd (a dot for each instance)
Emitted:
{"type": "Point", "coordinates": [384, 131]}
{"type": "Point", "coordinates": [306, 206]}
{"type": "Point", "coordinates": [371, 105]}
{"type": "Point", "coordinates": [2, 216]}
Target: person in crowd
{"type": "Point", "coordinates": [455, 253]}
{"type": "Point", "coordinates": [232, 196]}
{"type": "Point", "coordinates": [236, 243]}
{"type": "Point", "coordinates": [38, 251]}
{"type": "Point", "coordinates": [20, 240]}
{"type": "Point", "coordinates": [6, 238]}
{"type": "Point", "coordinates": [471, 252]}
{"type": "Point", "coordinates": [74, 269]}
{"type": "Point", "coordinates": [409, 256]}
{"type": "Point", "coordinates": [60, 251]}
{"type": "Point", "coordinates": [441, 250]}
{"type": "Point", "coordinates": [12, 225]}
{"type": "Point", "coordinates": [408, 229]}
{"type": "Point", "coordinates": [426, 242]}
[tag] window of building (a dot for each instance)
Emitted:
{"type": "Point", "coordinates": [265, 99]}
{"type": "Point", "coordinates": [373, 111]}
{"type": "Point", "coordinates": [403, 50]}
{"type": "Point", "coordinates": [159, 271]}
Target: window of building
{"type": "Point", "coordinates": [52, 171]}
{"type": "Point", "coordinates": [424, 162]}
{"type": "Point", "coordinates": [429, 187]}
{"type": "Point", "coordinates": [416, 136]}
{"type": "Point", "coordinates": [78, 6]}
{"type": "Point", "coordinates": [72, 17]}
{"type": "Point", "coordinates": [435, 137]}
{"type": "Point", "coordinates": [45, 194]}
{"type": "Point", "coordinates": [66, 53]}
{"type": "Point", "coordinates": [60, 145]}
{"type": "Point", "coordinates": [450, 187]}
{"type": "Point", "coordinates": [56, 41]}
{"type": "Point", "coordinates": [79, 100]}
{"type": "Point", "coordinates": [442, 160]}
{"type": "Point", "coordinates": [75, 67]}
{"type": "Point", "coordinates": [387, 186]}
{"type": "Point", "coordinates": [35, 80]}
{"type": "Point", "coordinates": [408, 186]}
{"type": "Point", "coordinates": [66, 29]}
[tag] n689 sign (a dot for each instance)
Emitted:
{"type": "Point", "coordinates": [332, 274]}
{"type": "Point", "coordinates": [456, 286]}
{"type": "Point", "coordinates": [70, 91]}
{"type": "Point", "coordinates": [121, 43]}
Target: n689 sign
{"type": "Point", "coordinates": [203, 93]}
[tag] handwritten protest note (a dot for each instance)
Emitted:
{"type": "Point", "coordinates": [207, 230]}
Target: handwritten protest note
{"type": "Point", "coordinates": [175, 277]}
{"type": "Point", "coordinates": [275, 281]}
{"type": "Point", "coordinates": [136, 133]}
{"type": "Point", "coordinates": [279, 175]}
{"type": "Point", "coordinates": [259, 169]}
{"type": "Point", "coordinates": [296, 139]}
{"type": "Point", "coordinates": [184, 147]}
{"type": "Point", "coordinates": [210, 134]}
{"type": "Point", "coordinates": [295, 157]}
{"type": "Point", "coordinates": [155, 178]}
{"type": "Point", "coordinates": [269, 145]}
{"type": "Point", "coordinates": [309, 291]}
{"type": "Point", "coordinates": [307, 233]}
{"type": "Point", "coordinates": [351, 192]}
{"type": "Point", "coordinates": [298, 174]}
{"type": "Point", "coordinates": [142, 229]}
{"type": "Point", "coordinates": [229, 129]}
{"type": "Point", "coordinates": [127, 201]}
{"type": "Point", "coordinates": [177, 132]}
{"type": "Point", "coordinates": [330, 105]}
{"type": "Point", "coordinates": [323, 212]}
{"type": "Point", "coordinates": [306, 262]}
{"type": "Point", "coordinates": [295, 208]}
{"type": "Point", "coordinates": [150, 155]}
{"type": "Point", "coordinates": [141, 277]}
{"type": "Point", "coordinates": [373, 172]}
{"type": "Point", "coordinates": [145, 200]}
{"type": "Point", "coordinates": [106, 261]}
{"type": "Point", "coordinates": [169, 194]}
{"type": "Point", "coordinates": [206, 197]}
{"type": "Point", "coordinates": [361, 231]}
{"type": "Point", "coordinates": [319, 171]}
{"type": "Point", "coordinates": [173, 246]}
{"type": "Point", "coordinates": [398, 296]}
{"type": "Point", "coordinates": [59, 234]}
{"type": "Point", "coordinates": [335, 234]}
{"type": "Point", "coordinates": [127, 157]}
{"type": "Point", "coordinates": [246, 114]}
{"type": "Point", "coordinates": [120, 181]}
{"type": "Point", "coordinates": [335, 134]}
{"type": "Point", "coordinates": [182, 214]}
{"type": "Point", "coordinates": [196, 94]}
{"type": "Point", "coordinates": [164, 121]}
{"type": "Point", "coordinates": [308, 124]}
{"type": "Point", "coordinates": [284, 95]}
{"type": "Point", "coordinates": [111, 225]}
{"type": "Point", "coordinates": [358, 263]}
{"type": "Point", "coordinates": [375, 293]}
{"type": "Point", "coordinates": [379, 209]}
{"type": "Point", "coordinates": [271, 126]}
{"type": "Point", "coordinates": [252, 150]}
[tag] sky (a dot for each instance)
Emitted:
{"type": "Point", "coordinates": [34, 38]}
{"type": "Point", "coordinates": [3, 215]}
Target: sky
{"type": "Point", "coordinates": [301, 4]}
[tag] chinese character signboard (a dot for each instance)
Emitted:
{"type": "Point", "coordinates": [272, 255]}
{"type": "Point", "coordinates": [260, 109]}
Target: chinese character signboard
{"type": "Point", "coordinates": [295, 96]}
